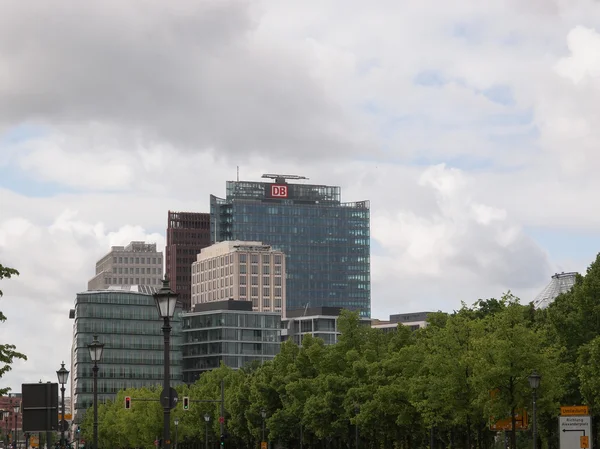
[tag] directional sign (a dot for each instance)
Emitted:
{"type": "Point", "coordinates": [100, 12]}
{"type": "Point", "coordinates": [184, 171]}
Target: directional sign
{"type": "Point", "coordinates": [584, 442]}
{"type": "Point", "coordinates": [571, 429]}
{"type": "Point", "coordinates": [521, 422]}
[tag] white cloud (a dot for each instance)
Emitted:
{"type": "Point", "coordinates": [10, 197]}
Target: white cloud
{"type": "Point", "coordinates": [465, 123]}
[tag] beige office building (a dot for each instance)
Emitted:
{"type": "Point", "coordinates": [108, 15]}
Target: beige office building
{"type": "Point", "coordinates": [135, 264]}
{"type": "Point", "coordinates": [249, 271]}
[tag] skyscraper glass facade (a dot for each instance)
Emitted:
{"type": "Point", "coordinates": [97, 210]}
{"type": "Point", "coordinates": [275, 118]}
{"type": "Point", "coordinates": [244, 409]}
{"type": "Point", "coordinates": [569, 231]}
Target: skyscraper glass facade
{"type": "Point", "coordinates": [326, 242]}
{"type": "Point", "coordinates": [127, 323]}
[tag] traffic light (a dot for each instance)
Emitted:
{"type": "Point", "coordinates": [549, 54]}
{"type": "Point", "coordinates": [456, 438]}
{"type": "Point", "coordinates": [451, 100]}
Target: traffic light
{"type": "Point", "coordinates": [222, 439]}
{"type": "Point", "coordinates": [186, 403]}
{"type": "Point", "coordinates": [127, 402]}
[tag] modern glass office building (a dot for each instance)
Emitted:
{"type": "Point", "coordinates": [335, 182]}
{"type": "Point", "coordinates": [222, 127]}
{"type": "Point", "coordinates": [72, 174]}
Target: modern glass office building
{"type": "Point", "coordinates": [125, 319]}
{"type": "Point", "coordinates": [326, 242]}
{"type": "Point", "coordinates": [229, 332]}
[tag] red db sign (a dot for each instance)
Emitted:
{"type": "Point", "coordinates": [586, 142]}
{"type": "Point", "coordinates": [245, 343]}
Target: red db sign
{"type": "Point", "coordinates": [279, 191]}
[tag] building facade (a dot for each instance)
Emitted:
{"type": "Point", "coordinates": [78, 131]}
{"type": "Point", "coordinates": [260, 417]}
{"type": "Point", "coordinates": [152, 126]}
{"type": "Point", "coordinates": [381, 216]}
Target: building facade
{"type": "Point", "coordinates": [229, 332]}
{"type": "Point", "coordinates": [138, 263]}
{"type": "Point", "coordinates": [125, 319]}
{"type": "Point", "coordinates": [247, 271]}
{"type": "Point", "coordinates": [320, 322]}
{"type": "Point", "coordinates": [413, 320]}
{"type": "Point", "coordinates": [187, 234]}
{"type": "Point", "coordinates": [326, 242]}
{"type": "Point", "coordinates": [11, 421]}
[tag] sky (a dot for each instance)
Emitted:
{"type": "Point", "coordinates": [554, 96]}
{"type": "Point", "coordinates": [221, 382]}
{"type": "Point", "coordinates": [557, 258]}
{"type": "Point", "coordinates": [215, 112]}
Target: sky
{"type": "Point", "coordinates": [472, 127]}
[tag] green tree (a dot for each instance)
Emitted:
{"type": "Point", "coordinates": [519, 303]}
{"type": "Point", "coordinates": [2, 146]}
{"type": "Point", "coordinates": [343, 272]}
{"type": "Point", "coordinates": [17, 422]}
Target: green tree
{"type": "Point", "coordinates": [507, 352]}
{"type": "Point", "coordinates": [8, 352]}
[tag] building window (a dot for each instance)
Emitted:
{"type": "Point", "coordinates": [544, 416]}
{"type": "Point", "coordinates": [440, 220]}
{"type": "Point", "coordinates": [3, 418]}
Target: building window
{"type": "Point", "coordinates": [121, 281]}
{"type": "Point", "coordinates": [243, 280]}
{"type": "Point", "coordinates": [277, 280]}
{"type": "Point", "coordinates": [277, 259]}
{"type": "Point", "coordinates": [137, 260]}
{"type": "Point", "coordinates": [255, 303]}
{"type": "Point", "coordinates": [266, 280]}
{"type": "Point", "coordinates": [243, 291]}
{"type": "Point", "coordinates": [277, 303]}
{"type": "Point", "coordinates": [266, 269]}
{"type": "Point", "coordinates": [254, 269]}
{"type": "Point", "coordinates": [114, 260]}
{"type": "Point", "coordinates": [242, 258]}
{"type": "Point", "coordinates": [254, 280]}
{"type": "Point", "coordinates": [266, 303]}
{"type": "Point", "coordinates": [254, 258]}
{"type": "Point", "coordinates": [137, 280]}
{"type": "Point", "coordinates": [266, 291]}
{"type": "Point", "coordinates": [243, 269]}
{"type": "Point", "coordinates": [278, 292]}
{"type": "Point", "coordinates": [254, 291]}
{"type": "Point", "coordinates": [266, 258]}
{"type": "Point", "coordinates": [137, 270]}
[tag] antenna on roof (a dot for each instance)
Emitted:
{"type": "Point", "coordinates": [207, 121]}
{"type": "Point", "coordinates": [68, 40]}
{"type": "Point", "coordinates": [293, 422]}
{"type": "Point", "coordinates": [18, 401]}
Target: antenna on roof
{"type": "Point", "coordinates": [281, 178]}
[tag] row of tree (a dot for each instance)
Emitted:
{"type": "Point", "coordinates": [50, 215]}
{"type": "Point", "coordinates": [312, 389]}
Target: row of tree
{"type": "Point", "coordinates": [400, 389]}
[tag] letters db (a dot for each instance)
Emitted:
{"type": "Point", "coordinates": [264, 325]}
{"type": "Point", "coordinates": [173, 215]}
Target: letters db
{"type": "Point", "coordinates": [278, 191]}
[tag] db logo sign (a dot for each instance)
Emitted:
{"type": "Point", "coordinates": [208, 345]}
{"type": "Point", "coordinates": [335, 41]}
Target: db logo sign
{"type": "Point", "coordinates": [279, 191]}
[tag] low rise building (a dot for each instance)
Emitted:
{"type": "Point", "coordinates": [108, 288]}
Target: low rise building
{"type": "Point", "coordinates": [414, 320]}
{"type": "Point", "coordinates": [227, 331]}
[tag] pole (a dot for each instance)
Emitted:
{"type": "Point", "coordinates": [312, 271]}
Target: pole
{"type": "Point", "coordinates": [301, 436]}
{"type": "Point", "coordinates": [356, 436]}
{"type": "Point", "coordinates": [431, 438]}
{"type": "Point", "coordinates": [206, 437]}
{"type": "Point", "coordinates": [263, 430]}
{"type": "Point", "coordinates": [222, 419]}
{"type": "Point", "coordinates": [16, 437]}
{"type": "Point", "coordinates": [166, 387]}
{"type": "Point", "coordinates": [95, 371]}
{"type": "Point", "coordinates": [176, 434]}
{"type": "Point", "coordinates": [62, 429]}
{"type": "Point", "coordinates": [534, 428]}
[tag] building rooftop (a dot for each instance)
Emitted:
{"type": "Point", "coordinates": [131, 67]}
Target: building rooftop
{"type": "Point", "coordinates": [559, 283]}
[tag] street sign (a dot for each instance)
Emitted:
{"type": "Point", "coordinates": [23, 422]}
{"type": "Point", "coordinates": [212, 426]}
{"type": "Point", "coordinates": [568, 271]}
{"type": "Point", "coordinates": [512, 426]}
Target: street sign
{"type": "Point", "coordinates": [221, 419]}
{"type": "Point", "coordinates": [168, 400]}
{"type": "Point", "coordinates": [574, 410]}
{"type": "Point", "coordinates": [63, 425]}
{"type": "Point", "coordinates": [263, 445]}
{"type": "Point", "coordinates": [68, 416]}
{"type": "Point", "coordinates": [521, 422]}
{"type": "Point", "coordinates": [156, 442]}
{"type": "Point", "coordinates": [571, 429]}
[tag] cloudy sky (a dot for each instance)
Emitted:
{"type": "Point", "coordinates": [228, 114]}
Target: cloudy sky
{"type": "Point", "coordinates": [472, 127]}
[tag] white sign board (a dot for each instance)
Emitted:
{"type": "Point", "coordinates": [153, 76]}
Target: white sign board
{"type": "Point", "coordinates": [572, 428]}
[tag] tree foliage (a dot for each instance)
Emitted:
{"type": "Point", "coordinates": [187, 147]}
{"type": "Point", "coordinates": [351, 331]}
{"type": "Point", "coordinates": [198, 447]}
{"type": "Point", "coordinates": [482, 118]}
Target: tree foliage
{"type": "Point", "coordinates": [8, 352]}
{"type": "Point", "coordinates": [397, 389]}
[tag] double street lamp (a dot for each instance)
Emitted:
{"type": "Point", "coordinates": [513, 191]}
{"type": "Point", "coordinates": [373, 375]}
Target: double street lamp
{"type": "Point", "coordinates": [534, 383]}
{"type": "Point", "coordinates": [166, 301]}
{"type": "Point", "coordinates": [96, 349]}
{"type": "Point", "coordinates": [62, 375]}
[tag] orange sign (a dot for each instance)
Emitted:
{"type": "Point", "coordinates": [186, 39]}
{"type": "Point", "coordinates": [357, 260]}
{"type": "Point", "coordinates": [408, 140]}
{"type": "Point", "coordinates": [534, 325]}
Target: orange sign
{"type": "Point", "coordinates": [575, 410]}
{"type": "Point", "coordinates": [521, 422]}
{"type": "Point", "coordinates": [263, 445]}
{"type": "Point", "coordinates": [584, 442]}
{"type": "Point", "coordinates": [34, 441]}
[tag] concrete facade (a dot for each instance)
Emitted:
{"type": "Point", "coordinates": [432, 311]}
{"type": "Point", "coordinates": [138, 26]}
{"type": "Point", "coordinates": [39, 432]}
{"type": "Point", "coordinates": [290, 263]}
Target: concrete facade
{"type": "Point", "coordinates": [138, 263]}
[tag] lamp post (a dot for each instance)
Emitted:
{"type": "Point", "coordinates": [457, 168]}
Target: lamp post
{"type": "Point", "coordinates": [356, 411]}
{"type": "Point", "coordinates": [176, 422]}
{"type": "Point", "coordinates": [96, 349]}
{"type": "Point", "coordinates": [263, 413]}
{"type": "Point", "coordinates": [16, 436]}
{"type": "Point", "coordinates": [166, 300]}
{"type": "Point", "coordinates": [534, 383]}
{"type": "Point", "coordinates": [62, 375]}
{"type": "Point", "coordinates": [206, 421]}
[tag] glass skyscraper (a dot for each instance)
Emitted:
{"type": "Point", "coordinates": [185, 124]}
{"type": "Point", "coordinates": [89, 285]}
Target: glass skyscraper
{"type": "Point", "coordinates": [125, 319]}
{"type": "Point", "coordinates": [326, 242]}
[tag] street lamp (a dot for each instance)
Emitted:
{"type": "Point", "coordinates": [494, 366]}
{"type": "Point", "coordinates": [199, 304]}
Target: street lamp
{"type": "Point", "coordinates": [62, 375]}
{"type": "Point", "coordinates": [356, 412]}
{"type": "Point", "coordinates": [16, 437]}
{"type": "Point", "coordinates": [176, 421]}
{"type": "Point", "coordinates": [263, 413]}
{"type": "Point", "coordinates": [206, 421]}
{"type": "Point", "coordinates": [534, 383]}
{"type": "Point", "coordinates": [96, 349]}
{"type": "Point", "coordinates": [166, 300]}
